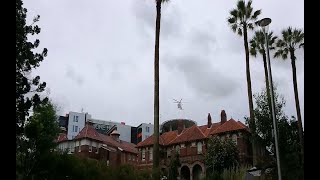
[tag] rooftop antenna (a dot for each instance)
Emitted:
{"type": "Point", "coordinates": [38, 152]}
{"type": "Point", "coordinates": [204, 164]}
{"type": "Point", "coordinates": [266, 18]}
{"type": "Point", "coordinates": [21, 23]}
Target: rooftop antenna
{"type": "Point", "coordinates": [179, 103]}
{"type": "Point", "coordinates": [81, 110]}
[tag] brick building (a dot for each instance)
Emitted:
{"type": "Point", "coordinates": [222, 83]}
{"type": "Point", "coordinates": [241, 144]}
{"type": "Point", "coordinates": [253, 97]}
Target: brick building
{"type": "Point", "coordinates": [92, 144]}
{"type": "Point", "coordinates": [190, 143]}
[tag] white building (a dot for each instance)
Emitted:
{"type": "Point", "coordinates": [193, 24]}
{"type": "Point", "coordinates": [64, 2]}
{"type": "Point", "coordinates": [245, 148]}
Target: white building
{"type": "Point", "coordinates": [76, 122]}
{"type": "Point", "coordinates": [103, 126]}
{"type": "Point", "coordinates": [144, 131]}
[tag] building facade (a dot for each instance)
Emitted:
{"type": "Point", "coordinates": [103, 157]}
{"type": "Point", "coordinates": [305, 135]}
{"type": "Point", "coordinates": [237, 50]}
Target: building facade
{"type": "Point", "coordinates": [73, 122]}
{"type": "Point", "coordinates": [190, 143]}
{"type": "Point", "coordinates": [92, 144]}
{"type": "Point", "coordinates": [144, 130]}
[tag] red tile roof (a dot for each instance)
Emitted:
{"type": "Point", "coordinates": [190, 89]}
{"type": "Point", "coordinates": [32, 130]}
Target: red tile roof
{"type": "Point", "coordinates": [90, 132]}
{"type": "Point", "coordinates": [61, 137]}
{"type": "Point", "coordinates": [126, 146]}
{"type": "Point", "coordinates": [195, 132]}
{"type": "Point", "coordinates": [164, 139]}
{"type": "Point", "coordinates": [190, 134]}
{"type": "Point", "coordinates": [230, 125]}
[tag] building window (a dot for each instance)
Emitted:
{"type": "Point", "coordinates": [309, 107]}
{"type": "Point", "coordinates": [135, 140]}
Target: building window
{"type": "Point", "coordinates": [199, 148]}
{"type": "Point", "coordinates": [143, 157]}
{"type": "Point", "coordinates": [147, 129]}
{"type": "Point", "coordinates": [80, 146]}
{"type": "Point", "coordinates": [77, 118]}
{"type": "Point", "coordinates": [97, 149]}
{"type": "Point", "coordinates": [90, 146]}
{"type": "Point", "coordinates": [178, 149]}
{"type": "Point", "coordinates": [234, 139]}
{"type": "Point", "coordinates": [72, 148]}
{"type": "Point", "coordinates": [75, 128]}
{"type": "Point", "coordinates": [182, 146]}
{"type": "Point", "coordinates": [168, 152]}
{"type": "Point", "coordinates": [193, 144]}
{"type": "Point", "coordinates": [150, 154]}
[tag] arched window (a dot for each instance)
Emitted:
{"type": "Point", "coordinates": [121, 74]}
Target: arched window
{"type": "Point", "coordinates": [199, 147]}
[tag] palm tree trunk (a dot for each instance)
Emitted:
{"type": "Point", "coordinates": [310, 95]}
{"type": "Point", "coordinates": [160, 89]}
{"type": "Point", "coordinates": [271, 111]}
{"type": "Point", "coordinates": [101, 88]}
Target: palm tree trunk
{"type": "Point", "coordinates": [296, 96]}
{"type": "Point", "coordinates": [266, 79]}
{"type": "Point", "coordinates": [252, 120]}
{"type": "Point", "coordinates": [156, 153]}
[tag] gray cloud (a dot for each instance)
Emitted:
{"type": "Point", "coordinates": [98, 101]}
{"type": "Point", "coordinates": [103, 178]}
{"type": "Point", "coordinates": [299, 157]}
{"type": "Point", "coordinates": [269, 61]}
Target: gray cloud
{"type": "Point", "coordinates": [107, 48]}
{"type": "Point", "coordinates": [206, 80]}
{"type": "Point", "coordinates": [75, 76]}
{"type": "Point", "coordinates": [145, 13]}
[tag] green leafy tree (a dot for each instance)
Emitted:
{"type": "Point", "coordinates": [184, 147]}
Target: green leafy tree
{"type": "Point", "coordinates": [156, 152]}
{"type": "Point", "coordinates": [288, 142]}
{"type": "Point", "coordinates": [291, 40]}
{"type": "Point", "coordinates": [241, 20]}
{"type": "Point", "coordinates": [264, 123]}
{"type": "Point", "coordinates": [40, 132]}
{"type": "Point", "coordinates": [26, 60]}
{"type": "Point", "coordinates": [220, 155]}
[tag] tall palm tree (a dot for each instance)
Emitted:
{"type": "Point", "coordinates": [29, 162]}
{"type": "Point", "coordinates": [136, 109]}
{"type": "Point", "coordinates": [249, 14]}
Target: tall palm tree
{"type": "Point", "coordinates": [291, 40]}
{"type": "Point", "coordinates": [257, 45]}
{"type": "Point", "coordinates": [241, 19]}
{"type": "Point", "coordinates": [156, 153]}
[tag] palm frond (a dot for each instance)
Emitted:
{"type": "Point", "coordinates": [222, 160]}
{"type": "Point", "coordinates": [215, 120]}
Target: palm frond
{"type": "Point", "coordinates": [250, 26]}
{"type": "Point", "coordinates": [234, 27]}
{"type": "Point", "coordinates": [231, 20]}
{"type": "Point", "coordinates": [256, 14]}
{"type": "Point", "coordinates": [163, 1]}
{"type": "Point", "coordinates": [253, 52]}
{"type": "Point", "coordinates": [301, 45]}
{"type": "Point", "coordinates": [241, 6]}
{"type": "Point", "coordinates": [234, 13]}
{"type": "Point", "coordinates": [239, 31]}
{"type": "Point", "coordinates": [284, 56]}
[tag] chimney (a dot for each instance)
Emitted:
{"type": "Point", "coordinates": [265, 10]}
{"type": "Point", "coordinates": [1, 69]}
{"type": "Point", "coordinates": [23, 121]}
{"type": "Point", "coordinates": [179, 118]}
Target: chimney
{"type": "Point", "coordinates": [115, 135]}
{"type": "Point", "coordinates": [209, 120]}
{"type": "Point", "coordinates": [180, 126]}
{"type": "Point", "coordinates": [223, 117]}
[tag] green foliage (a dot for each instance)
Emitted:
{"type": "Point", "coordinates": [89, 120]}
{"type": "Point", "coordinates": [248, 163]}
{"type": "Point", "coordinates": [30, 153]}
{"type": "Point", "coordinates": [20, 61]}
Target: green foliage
{"type": "Point", "coordinates": [288, 135]}
{"type": "Point", "coordinates": [65, 166]}
{"type": "Point", "coordinates": [26, 60]}
{"type": "Point", "coordinates": [263, 119]}
{"type": "Point", "coordinates": [221, 154]}
{"type": "Point", "coordinates": [173, 167]}
{"type": "Point", "coordinates": [235, 173]}
{"type": "Point", "coordinates": [38, 141]}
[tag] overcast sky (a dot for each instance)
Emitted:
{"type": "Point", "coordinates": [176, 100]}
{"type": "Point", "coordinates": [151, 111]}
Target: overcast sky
{"type": "Point", "coordinates": [101, 54]}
